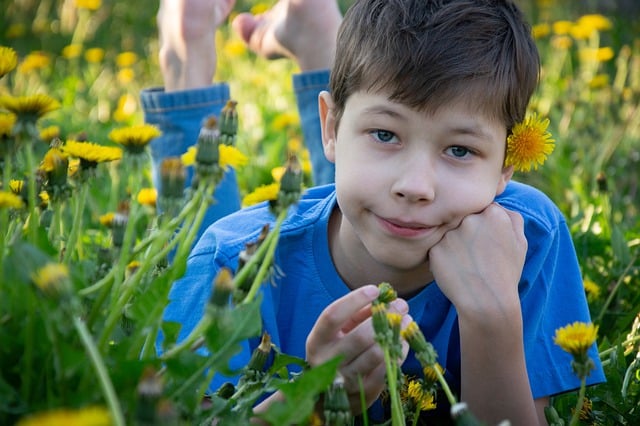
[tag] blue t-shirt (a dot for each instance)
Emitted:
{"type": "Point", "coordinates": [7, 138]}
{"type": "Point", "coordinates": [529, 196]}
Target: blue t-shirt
{"type": "Point", "coordinates": [551, 289]}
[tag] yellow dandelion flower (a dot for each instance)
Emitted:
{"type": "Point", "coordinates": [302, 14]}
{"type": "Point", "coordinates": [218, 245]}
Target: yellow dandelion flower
{"type": "Point", "coordinates": [72, 51]}
{"type": "Point", "coordinates": [90, 416]}
{"type": "Point", "coordinates": [431, 372]}
{"type": "Point", "coordinates": [34, 61]}
{"type": "Point", "coordinates": [107, 219]}
{"type": "Point", "coordinates": [601, 54]}
{"type": "Point", "coordinates": [284, 120]}
{"type": "Point", "coordinates": [231, 156]}
{"type": "Point", "coordinates": [581, 32]}
{"type": "Point", "coordinates": [91, 152]}
{"type": "Point", "coordinates": [561, 42]}
{"type": "Point", "coordinates": [74, 166]}
{"type": "Point", "coordinates": [148, 197]}
{"type": "Point", "coordinates": [259, 8]}
{"type": "Point", "coordinates": [576, 338]}
{"type": "Point", "coordinates": [49, 133]}
{"type": "Point", "coordinates": [529, 144]}
{"type": "Point", "coordinates": [127, 106]}
{"type": "Point", "coordinates": [234, 48]}
{"type": "Point", "coordinates": [135, 138]}
{"type": "Point", "coordinates": [562, 27]}
{"type": "Point", "coordinates": [8, 60]}
{"type": "Point", "coordinates": [51, 278]}
{"type": "Point", "coordinates": [305, 161]}
{"type": "Point", "coordinates": [16, 186]}
{"type": "Point", "coordinates": [44, 199]}
{"type": "Point", "coordinates": [126, 59]}
{"type": "Point", "coordinates": [595, 22]}
{"type": "Point", "coordinates": [88, 4]}
{"type": "Point", "coordinates": [278, 172]}
{"type": "Point", "coordinates": [94, 55]}
{"type": "Point", "coordinates": [53, 160]}
{"type": "Point", "coordinates": [262, 193]}
{"type": "Point", "coordinates": [592, 289]}
{"type": "Point", "coordinates": [9, 200]}
{"type": "Point", "coordinates": [294, 145]}
{"type": "Point", "coordinates": [541, 30]}
{"type": "Point", "coordinates": [7, 121]}
{"type": "Point", "coordinates": [189, 157]}
{"type": "Point", "coordinates": [133, 266]}
{"type": "Point", "coordinates": [126, 75]}
{"type": "Point", "coordinates": [599, 81]}
{"type": "Point", "coordinates": [30, 106]}
{"type": "Point", "coordinates": [395, 319]}
{"type": "Point", "coordinates": [421, 397]}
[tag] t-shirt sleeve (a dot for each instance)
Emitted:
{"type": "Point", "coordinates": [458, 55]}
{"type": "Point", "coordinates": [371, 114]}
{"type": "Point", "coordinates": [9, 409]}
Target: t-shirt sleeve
{"type": "Point", "coordinates": [552, 296]}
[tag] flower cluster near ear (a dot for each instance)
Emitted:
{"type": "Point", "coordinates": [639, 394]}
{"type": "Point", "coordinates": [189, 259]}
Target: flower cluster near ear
{"type": "Point", "coordinates": [529, 144]}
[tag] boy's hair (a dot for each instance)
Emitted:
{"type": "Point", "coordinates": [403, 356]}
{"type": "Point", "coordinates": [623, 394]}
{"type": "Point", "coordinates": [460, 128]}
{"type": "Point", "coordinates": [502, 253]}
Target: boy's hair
{"type": "Point", "coordinates": [427, 53]}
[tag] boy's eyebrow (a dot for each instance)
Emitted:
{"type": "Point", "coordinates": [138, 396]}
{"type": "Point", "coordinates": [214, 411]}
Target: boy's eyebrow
{"type": "Point", "coordinates": [383, 110]}
{"type": "Point", "coordinates": [472, 130]}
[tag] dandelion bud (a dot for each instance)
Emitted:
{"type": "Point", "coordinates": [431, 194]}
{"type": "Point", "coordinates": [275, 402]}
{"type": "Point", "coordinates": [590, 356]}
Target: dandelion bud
{"type": "Point", "coordinates": [291, 181]}
{"type": "Point", "coordinates": [222, 288]}
{"type": "Point", "coordinates": [118, 228]}
{"type": "Point", "coordinates": [425, 353]}
{"type": "Point", "coordinates": [387, 293]}
{"type": "Point", "coordinates": [149, 391]}
{"type": "Point", "coordinates": [229, 123]}
{"type": "Point", "coordinates": [601, 182]}
{"type": "Point", "coordinates": [260, 354]}
{"type": "Point", "coordinates": [379, 318]}
{"type": "Point", "coordinates": [462, 416]}
{"type": "Point", "coordinates": [226, 390]}
{"type": "Point", "coordinates": [336, 404]}
{"type": "Point", "coordinates": [208, 152]}
{"type": "Point", "coordinates": [172, 178]}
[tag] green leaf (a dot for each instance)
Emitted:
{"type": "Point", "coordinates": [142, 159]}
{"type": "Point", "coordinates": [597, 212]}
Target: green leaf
{"type": "Point", "coordinates": [300, 395]}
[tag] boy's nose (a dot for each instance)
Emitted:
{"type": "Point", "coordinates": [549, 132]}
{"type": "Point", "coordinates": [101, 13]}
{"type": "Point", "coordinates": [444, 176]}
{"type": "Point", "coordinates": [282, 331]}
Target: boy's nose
{"type": "Point", "coordinates": [416, 182]}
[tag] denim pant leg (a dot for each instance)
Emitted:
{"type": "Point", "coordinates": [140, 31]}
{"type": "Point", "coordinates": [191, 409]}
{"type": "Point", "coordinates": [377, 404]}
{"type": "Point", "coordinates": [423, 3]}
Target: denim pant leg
{"type": "Point", "coordinates": [179, 115]}
{"type": "Point", "coordinates": [307, 86]}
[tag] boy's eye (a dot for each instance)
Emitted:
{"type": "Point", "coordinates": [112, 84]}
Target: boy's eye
{"type": "Point", "coordinates": [459, 151]}
{"type": "Point", "coordinates": [383, 136]}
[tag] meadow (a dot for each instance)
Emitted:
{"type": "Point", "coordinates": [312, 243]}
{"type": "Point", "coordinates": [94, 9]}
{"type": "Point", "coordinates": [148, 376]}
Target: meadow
{"type": "Point", "coordinates": [84, 270]}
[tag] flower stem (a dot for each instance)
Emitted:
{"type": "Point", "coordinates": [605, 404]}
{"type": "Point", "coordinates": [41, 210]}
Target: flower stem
{"type": "Point", "coordinates": [445, 387]}
{"type": "Point", "coordinates": [576, 413]}
{"type": "Point", "coordinates": [270, 248]}
{"type": "Point", "coordinates": [613, 292]}
{"type": "Point", "coordinates": [397, 416]}
{"type": "Point", "coordinates": [31, 188]}
{"type": "Point", "coordinates": [77, 224]}
{"type": "Point", "coordinates": [101, 371]}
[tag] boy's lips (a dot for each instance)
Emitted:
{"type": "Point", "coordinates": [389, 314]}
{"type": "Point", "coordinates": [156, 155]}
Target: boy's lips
{"type": "Point", "coordinates": [405, 228]}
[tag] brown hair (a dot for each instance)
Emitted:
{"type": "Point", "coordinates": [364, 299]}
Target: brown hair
{"type": "Point", "coordinates": [426, 53]}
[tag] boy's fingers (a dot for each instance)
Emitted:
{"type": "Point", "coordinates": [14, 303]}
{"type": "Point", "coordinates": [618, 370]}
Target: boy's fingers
{"type": "Point", "coordinates": [344, 311]}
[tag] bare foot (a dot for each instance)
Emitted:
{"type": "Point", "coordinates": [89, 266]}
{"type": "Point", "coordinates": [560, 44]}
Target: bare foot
{"type": "Point", "coordinates": [187, 40]}
{"type": "Point", "coordinates": [303, 30]}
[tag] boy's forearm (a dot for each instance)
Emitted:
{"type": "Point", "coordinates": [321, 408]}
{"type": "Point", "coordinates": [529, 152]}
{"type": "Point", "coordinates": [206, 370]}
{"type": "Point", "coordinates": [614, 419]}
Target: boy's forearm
{"type": "Point", "coordinates": [495, 382]}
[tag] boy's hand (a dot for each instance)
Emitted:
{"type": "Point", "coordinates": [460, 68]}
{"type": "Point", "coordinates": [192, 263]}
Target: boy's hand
{"type": "Point", "coordinates": [478, 264]}
{"type": "Point", "coordinates": [345, 328]}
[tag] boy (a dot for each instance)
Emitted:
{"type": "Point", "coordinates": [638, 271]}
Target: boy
{"type": "Point", "coordinates": [423, 94]}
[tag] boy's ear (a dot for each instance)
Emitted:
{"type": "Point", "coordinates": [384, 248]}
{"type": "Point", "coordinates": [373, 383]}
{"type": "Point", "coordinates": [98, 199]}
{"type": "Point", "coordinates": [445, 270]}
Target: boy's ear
{"type": "Point", "coordinates": [505, 177]}
{"type": "Point", "coordinates": [327, 124]}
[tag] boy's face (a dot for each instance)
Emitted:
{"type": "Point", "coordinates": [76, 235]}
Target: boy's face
{"type": "Point", "coordinates": [404, 177]}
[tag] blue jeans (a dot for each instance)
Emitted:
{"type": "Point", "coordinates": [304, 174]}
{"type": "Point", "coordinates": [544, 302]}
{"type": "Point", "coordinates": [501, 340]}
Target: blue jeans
{"type": "Point", "coordinates": [179, 115]}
